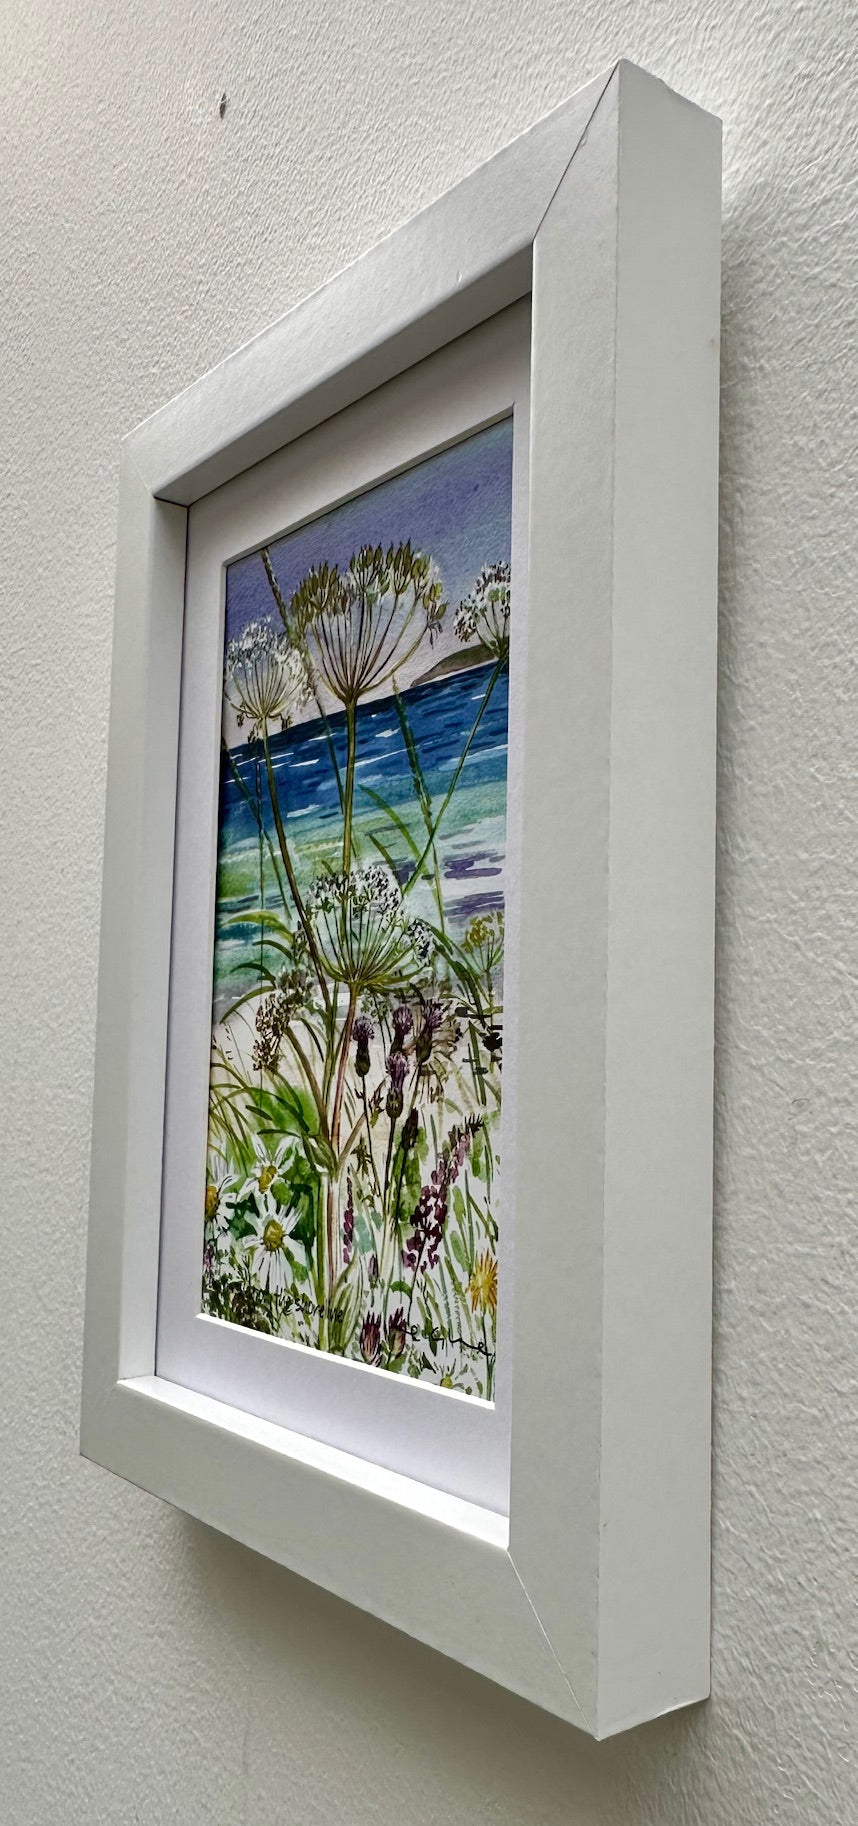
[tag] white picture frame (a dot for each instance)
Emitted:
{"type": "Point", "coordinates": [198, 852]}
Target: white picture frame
{"type": "Point", "coordinates": [451, 1441]}
{"type": "Point", "coordinates": [592, 1597]}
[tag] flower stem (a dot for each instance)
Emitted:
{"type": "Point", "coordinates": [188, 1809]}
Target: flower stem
{"type": "Point", "coordinates": [402, 1156]}
{"type": "Point", "coordinates": [489, 1365]}
{"type": "Point", "coordinates": [417, 1266]}
{"type": "Point", "coordinates": [312, 1081]}
{"type": "Point", "coordinates": [349, 790]}
{"type": "Point", "coordinates": [388, 1159]}
{"type": "Point", "coordinates": [336, 1110]}
{"type": "Point", "coordinates": [369, 1137]}
{"type": "Point", "coordinates": [418, 867]}
{"type": "Point", "coordinates": [341, 1068]}
{"type": "Point", "coordinates": [300, 908]}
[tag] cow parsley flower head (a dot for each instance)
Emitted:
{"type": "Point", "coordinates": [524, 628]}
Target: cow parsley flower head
{"type": "Point", "coordinates": [266, 678]}
{"type": "Point", "coordinates": [363, 935]}
{"type": "Point", "coordinates": [484, 940]}
{"type": "Point", "coordinates": [357, 627]}
{"type": "Point", "coordinates": [484, 614]}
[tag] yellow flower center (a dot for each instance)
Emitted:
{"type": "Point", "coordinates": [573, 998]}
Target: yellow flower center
{"type": "Point", "coordinates": [483, 1284]}
{"type": "Point", "coordinates": [266, 1175]}
{"type": "Point", "coordinates": [273, 1234]}
{"type": "Point", "coordinates": [211, 1202]}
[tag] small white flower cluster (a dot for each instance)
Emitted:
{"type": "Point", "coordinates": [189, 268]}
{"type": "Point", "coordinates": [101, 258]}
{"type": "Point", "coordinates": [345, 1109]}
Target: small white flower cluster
{"type": "Point", "coordinates": [372, 887]}
{"type": "Point", "coordinates": [362, 930]}
{"type": "Point", "coordinates": [485, 612]}
{"type": "Point", "coordinates": [259, 643]}
{"type": "Point", "coordinates": [432, 599]}
{"type": "Point", "coordinates": [266, 678]}
{"type": "Point", "coordinates": [421, 939]}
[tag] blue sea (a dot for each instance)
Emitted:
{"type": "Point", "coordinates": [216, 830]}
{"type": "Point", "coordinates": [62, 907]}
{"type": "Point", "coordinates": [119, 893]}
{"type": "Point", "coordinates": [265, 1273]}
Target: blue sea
{"type": "Point", "coordinates": [471, 840]}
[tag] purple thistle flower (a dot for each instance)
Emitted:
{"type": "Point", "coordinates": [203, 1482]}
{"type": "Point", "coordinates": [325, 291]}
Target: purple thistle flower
{"type": "Point", "coordinates": [370, 1338]}
{"type": "Point", "coordinates": [403, 1021]}
{"type": "Point", "coordinates": [397, 1066]}
{"type": "Point", "coordinates": [362, 1032]}
{"type": "Point", "coordinates": [395, 1335]}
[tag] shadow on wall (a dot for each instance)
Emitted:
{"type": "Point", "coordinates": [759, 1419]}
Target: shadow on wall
{"type": "Point", "coordinates": [463, 1744]}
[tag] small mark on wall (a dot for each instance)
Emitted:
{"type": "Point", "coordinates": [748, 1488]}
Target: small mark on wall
{"type": "Point", "coordinates": [221, 107]}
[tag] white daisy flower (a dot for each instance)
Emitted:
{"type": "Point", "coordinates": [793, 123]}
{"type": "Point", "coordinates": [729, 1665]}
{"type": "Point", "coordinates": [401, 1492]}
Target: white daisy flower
{"type": "Point", "coordinates": [220, 1194]}
{"type": "Point", "coordinates": [220, 1202]}
{"type": "Point", "coordinates": [267, 1167]}
{"type": "Point", "coordinates": [266, 1248]}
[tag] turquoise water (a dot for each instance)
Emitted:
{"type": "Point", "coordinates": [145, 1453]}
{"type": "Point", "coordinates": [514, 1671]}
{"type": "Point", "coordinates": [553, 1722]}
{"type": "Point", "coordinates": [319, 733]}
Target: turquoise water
{"type": "Point", "coordinates": [472, 836]}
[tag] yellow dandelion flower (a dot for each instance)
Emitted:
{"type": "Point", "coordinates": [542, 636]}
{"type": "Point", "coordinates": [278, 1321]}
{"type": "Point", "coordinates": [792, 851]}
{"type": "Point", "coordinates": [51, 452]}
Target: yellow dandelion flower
{"type": "Point", "coordinates": [483, 1284]}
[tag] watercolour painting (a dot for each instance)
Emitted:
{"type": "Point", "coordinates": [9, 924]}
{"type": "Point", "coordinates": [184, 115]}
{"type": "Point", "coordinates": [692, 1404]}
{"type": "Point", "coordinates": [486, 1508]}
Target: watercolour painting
{"type": "Point", "coordinates": [354, 1143]}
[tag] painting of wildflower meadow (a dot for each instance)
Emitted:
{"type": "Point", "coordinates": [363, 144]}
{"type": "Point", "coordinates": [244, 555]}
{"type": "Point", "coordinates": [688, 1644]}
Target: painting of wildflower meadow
{"type": "Point", "coordinates": [351, 1203]}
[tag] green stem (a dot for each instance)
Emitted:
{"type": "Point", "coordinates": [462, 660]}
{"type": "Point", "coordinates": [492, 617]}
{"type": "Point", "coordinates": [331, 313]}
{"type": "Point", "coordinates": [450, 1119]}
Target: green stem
{"type": "Point", "coordinates": [402, 1154]}
{"type": "Point", "coordinates": [388, 1160]}
{"type": "Point", "coordinates": [331, 751]}
{"type": "Point", "coordinates": [257, 815]}
{"type": "Point", "coordinates": [369, 1136]}
{"type": "Point", "coordinates": [439, 892]}
{"type": "Point", "coordinates": [455, 780]}
{"type": "Point", "coordinates": [349, 1143]}
{"type": "Point", "coordinates": [336, 1111]}
{"type": "Point", "coordinates": [291, 877]}
{"type": "Point", "coordinates": [349, 791]}
{"type": "Point", "coordinates": [312, 1081]}
{"type": "Point", "coordinates": [341, 1068]}
{"type": "Point", "coordinates": [423, 798]}
{"type": "Point", "coordinates": [261, 872]}
{"type": "Point", "coordinates": [320, 1278]}
{"type": "Point", "coordinates": [414, 1283]}
{"type": "Point", "coordinates": [399, 1179]}
{"type": "Point", "coordinates": [489, 1365]}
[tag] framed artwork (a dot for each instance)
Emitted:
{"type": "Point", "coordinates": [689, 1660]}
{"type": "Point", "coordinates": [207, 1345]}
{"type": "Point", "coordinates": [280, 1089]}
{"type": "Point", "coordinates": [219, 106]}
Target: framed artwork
{"type": "Point", "coordinates": [401, 1192]}
{"type": "Point", "coordinates": [335, 1060]}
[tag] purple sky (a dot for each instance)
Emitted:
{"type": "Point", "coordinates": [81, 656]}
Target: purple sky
{"type": "Point", "coordinates": [456, 506]}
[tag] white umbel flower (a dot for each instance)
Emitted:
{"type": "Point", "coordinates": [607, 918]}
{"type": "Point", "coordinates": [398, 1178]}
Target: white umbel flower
{"type": "Point", "coordinates": [266, 678]}
{"type": "Point", "coordinates": [484, 614]}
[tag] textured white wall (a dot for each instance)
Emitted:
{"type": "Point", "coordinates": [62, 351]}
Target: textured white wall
{"type": "Point", "coordinates": [151, 1672]}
